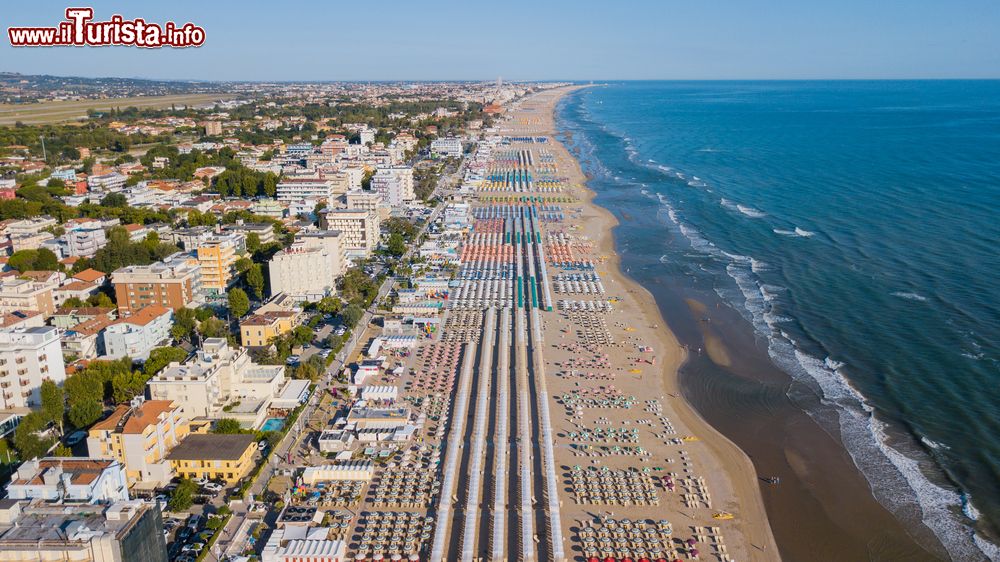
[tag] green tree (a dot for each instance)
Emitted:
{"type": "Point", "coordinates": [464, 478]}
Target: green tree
{"type": "Point", "coordinates": [352, 314]}
{"type": "Point", "coordinates": [27, 437]}
{"type": "Point", "coordinates": [101, 300]}
{"type": "Point", "coordinates": [239, 303]}
{"type": "Point", "coordinates": [125, 386]}
{"type": "Point", "coordinates": [242, 265]}
{"type": "Point", "coordinates": [185, 322]}
{"type": "Point", "coordinates": [182, 497]}
{"type": "Point", "coordinates": [114, 200]}
{"type": "Point", "coordinates": [253, 242]}
{"type": "Point", "coordinates": [53, 401]}
{"type": "Point", "coordinates": [84, 414]}
{"type": "Point", "coordinates": [213, 327]}
{"type": "Point", "coordinates": [396, 245]}
{"type": "Point", "coordinates": [227, 426]}
{"type": "Point", "coordinates": [329, 305]}
{"type": "Point", "coordinates": [62, 451]}
{"type": "Point", "coordinates": [160, 357]}
{"type": "Point", "coordinates": [255, 278]}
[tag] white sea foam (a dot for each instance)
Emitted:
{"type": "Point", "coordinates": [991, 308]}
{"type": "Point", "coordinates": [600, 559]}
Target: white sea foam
{"type": "Point", "coordinates": [803, 233]}
{"type": "Point", "coordinates": [751, 212]}
{"type": "Point", "coordinates": [909, 296]}
{"type": "Point", "coordinates": [832, 364]}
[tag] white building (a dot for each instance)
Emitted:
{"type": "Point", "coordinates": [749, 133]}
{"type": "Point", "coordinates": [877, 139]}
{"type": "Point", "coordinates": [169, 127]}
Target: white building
{"type": "Point", "coordinates": [294, 189]}
{"type": "Point", "coordinates": [75, 479]}
{"type": "Point", "coordinates": [136, 335]}
{"type": "Point", "coordinates": [219, 376]}
{"type": "Point", "coordinates": [394, 185]}
{"type": "Point", "coordinates": [359, 228]}
{"type": "Point", "coordinates": [107, 182]}
{"type": "Point", "coordinates": [303, 544]}
{"type": "Point", "coordinates": [27, 357]}
{"type": "Point", "coordinates": [307, 273]}
{"type": "Point", "coordinates": [84, 242]}
{"type": "Point", "coordinates": [448, 147]}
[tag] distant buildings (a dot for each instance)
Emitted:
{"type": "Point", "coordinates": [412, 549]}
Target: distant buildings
{"type": "Point", "coordinates": [139, 436]}
{"type": "Point", "coordinates": [44, 532]}
{"type": "Point", "coordinates": [27, 357]}
{"type": "Point", "coordinates": [447, 147]}
{"type": "Point", "coordinates": [107, 182]}
{"type": "Point", "coordinates": [136, 335]}
{"type": "Point", "coordinates": [173, 283]}
{"type": "Point", "coordinates": [69, 479]}
{"type": "Point", "coordinates": [359, 227]}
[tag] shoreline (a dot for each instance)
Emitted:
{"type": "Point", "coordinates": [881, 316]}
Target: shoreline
{"type": "Point", "coordinates": [731, 472]}
{"type": "Point", "coordinates": [843, 519]}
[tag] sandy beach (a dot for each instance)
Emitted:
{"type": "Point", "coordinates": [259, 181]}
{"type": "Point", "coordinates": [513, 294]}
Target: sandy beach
{"type": "Point", "coordinates": [727, 471]}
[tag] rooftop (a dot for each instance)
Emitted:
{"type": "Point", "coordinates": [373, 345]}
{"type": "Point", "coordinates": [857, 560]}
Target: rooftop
{"type": "Point", "coordinates": [210, 446]}
{"type": "Point", "coordinates": [126, 419]}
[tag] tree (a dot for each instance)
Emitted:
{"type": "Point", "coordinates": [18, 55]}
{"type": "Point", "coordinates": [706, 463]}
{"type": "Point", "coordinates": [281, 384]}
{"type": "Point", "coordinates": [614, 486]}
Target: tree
{"type": "Point", "coordinates": [255, 278]}
{"type": "Point", "coordinates": [84, 414]}
{"type": "Point", "coordinates": [227, 426]}
{"type": "Point", "coordinates": [114, 200]}
{"type": "Point", "coordinates": [184, 324]}
{"type": "Point", "coordinates": [239, 302]}
{"type": "Point", "coordinates": [27, 439]}
{"type": "Point", "coordinates": [160, 357]}
{"type": "Point", "coordinates": [352, 314]}
{"type": "Point", "coordinates": [62, 451]}
{"type": "Point", "coordinates": [125, 386]}
{"type": "Point", "coordinates": [242, 265]}
{"type": "Point", "coordinates": [396, 245]}
{"type": "Point", "coordinates": [213, 327]}
{"type": "Point", "coordinates": [101, 300]}
{"type": "Point", "coordinates": [329, 305]}
{"type": "Point", "coordinates": [253, 242]}
{"type": "Point", "coordinates": [41, 259]}
{"type": "Point", "coordinates": [182, 497]}
{"type": "Point", "coordinates": [53, 403]}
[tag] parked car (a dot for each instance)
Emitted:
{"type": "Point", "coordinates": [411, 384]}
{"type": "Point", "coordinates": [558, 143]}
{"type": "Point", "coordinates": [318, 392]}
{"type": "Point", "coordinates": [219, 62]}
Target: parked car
{"type": "Point", "coordinates": [213, 487]}
{"type": "Point", "coordinates": [76, 437]}
{"type": "Point", "coordinates": [292, 360]}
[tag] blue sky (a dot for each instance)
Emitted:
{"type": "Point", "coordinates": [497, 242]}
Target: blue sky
{"type": "Point", "coordinates": [536, 40]}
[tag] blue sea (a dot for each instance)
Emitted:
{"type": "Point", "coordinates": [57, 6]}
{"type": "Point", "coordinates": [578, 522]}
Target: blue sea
{"type": "Point", "coordinates": [855, 226]}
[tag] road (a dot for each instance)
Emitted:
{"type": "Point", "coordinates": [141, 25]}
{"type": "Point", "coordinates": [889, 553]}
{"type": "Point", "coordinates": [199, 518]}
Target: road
{"type": "Point", "coordinates": [232, 534]}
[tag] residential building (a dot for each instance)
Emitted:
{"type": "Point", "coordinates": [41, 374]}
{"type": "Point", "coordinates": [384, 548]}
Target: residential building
{"type": "Point", "coordinates": [366, 200]}
{"type": "Point", "coordinates": [27, 295]}
{"type": "Point", "coordinates": [359, 229]}
{"type": "Point", "coordinates": [69, 479]}
{"type": "Point", "coordinates": [449, 147]}
{"type": "Point", "coordinates": [30, 241]}
{"type": "Point", "coordinates": [292, 189]}
{"type": "Point", "coordinates": [308, 270]}
{"type": "Point", "coordinates": [263, 230]}
{"type": "Point", "coordinates": [84, 242]}
{"type": "Point", "coordinates": [258, 330]}
{"type": "Point", "coordinates": [217, 257]}
{"type": "Point", "coordinates": [86, 339]}
{"type": "Point", "coordinates": [214, 456]}
{"type": "Point", "coordinates": [129, 531]}
{"type": "Point", "coordinates": [212, 128]}
{"type": "Point", "coordinates": [67, 318]}
{"type": "Point", "coordinates": [137, 334]}
{"type": "Point", "coordinates": [107, 182]}
{"type": "Point", "coordinates": [21, 319]}
{"type": "Point", "coordinates": [394, 185]}
{"type": "Point", "coordinates": [173, 283]}
{"type": "Point", "coordinates": [27, 357]}
{"type": "Point", "coordinates": [73, 290]}
{"type": "Point", "coordinates": [139, 436]}
{"type": "Point", "coordinates": [219, 377]}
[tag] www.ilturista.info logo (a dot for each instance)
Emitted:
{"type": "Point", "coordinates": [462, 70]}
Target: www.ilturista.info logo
{"type": "Point", "coordinates": [78, 30]}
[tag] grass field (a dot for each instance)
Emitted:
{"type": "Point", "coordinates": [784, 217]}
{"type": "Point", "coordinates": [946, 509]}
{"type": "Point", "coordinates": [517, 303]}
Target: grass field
{"type": "Point", "coordinates": [61, 111]}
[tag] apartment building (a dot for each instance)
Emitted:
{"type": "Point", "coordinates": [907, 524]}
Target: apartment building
{"type": "Point", "coordinates": [174, 283]}
{"type": "Point", "coordinates": [28, 295]}
{"type": "Point", "coordinates": [449, 147]}
{"type": "Point", "coordinates": [359, 229]}
{"type": "Point", "coordinates": [27, 357]}
{"type": "Point", "coordinates": [218, 376]}
{"type": "Point", "coordinates": [84, 242]}
{"type": "Point", "coordinates": [258, 330]}
{"type": "Point", "coordinates": [39, 531]}
{"type": "Point", "coordinates": [139, 436]}
{"type": "Point", "coordinates": [263, 230]}
{"type": "Point", "coordinates": [394, 185]}
{"type": "Point", "coordinates": [69, 479]}
{"type": "Point", "coordinates": [217, 257]}
{"type": "Point", "coordinates": [212, 456]}
{"type": "Point", "coordinates": [293, 189]}
{"type": "Point", "coordinates": [107, 182]}
{"type": "Point", "coordinates": [308, 270]}
{"type": "Point", "coordinates": [139, 333]}
{"type": "Point", "coordinates": [364, 200]}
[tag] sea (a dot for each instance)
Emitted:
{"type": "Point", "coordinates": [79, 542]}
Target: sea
{"type": "Point", "coordinates": [855, 226]}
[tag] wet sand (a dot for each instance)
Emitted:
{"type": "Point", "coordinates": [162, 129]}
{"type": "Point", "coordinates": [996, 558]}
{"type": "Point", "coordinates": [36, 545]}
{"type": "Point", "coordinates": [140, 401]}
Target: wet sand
{"type": "Point", "coordinates": [823, 508]}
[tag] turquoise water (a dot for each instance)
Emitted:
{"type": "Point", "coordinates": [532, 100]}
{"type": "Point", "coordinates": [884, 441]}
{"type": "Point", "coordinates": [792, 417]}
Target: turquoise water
{"type": "Point", "coordinates": [273, 424]}
{"type": "Point", "coordinates": [855, 226]}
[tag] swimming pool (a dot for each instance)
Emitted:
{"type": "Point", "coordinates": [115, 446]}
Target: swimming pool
{"type": "Point", "coordinates": [273, 424]}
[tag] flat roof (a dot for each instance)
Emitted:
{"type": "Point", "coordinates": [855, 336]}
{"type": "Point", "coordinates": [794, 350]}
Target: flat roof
{"type": "Point", "coordinates": [211, 446]}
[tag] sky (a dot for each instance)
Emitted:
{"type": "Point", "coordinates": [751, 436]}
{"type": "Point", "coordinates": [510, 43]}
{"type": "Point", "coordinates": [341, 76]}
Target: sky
{"type": "Point", "coordinates": [534, 40]}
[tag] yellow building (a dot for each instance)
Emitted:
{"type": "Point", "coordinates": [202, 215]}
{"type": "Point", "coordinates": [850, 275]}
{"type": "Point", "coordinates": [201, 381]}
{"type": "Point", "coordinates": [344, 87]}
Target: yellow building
{"type": "Point", "coordinates": [259, 329]}
{"type": "Point", "coordinates": [214, 457]}
{"type": "Point", "coordinates": [140, 436]}
{"type": "Point", "coordinates": [217, 258]}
